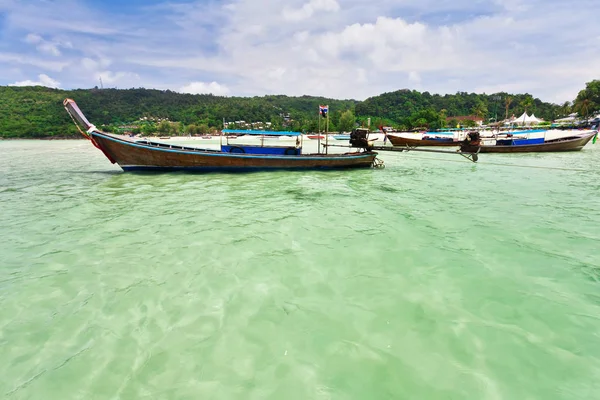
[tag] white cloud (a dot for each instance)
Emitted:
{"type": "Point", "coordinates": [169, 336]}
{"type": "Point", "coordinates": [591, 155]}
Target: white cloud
{"type": "Point", "coordinates": [50, 47]}
{"type": "Point", "coordinates": [32, 38]}
{"type": "Point", "coordinates": [43, 80]}
{"type": "Point", "coordinates": [414, 77]}
{"type": "Point", "coordinates": [95, 65]}
{"type": "Point", "coordinates": [109, 77]}
{"type": "Point", "coordinates": [349, 49]}
{"type": "Point", "coordinates": [51, 65]}
{"type": "Point", "coordinates": [205, 88]}
{"type": "Point", "coordinates": [310, 8]}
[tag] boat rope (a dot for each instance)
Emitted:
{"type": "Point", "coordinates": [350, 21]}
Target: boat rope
{"type": "Point", "coordinates": [537, 167]}
{"type": "Point", "coordinates": [84, 134]}
{"type": "Point", "coordinates": [88, 136]}
{"type": "Point", "coordinates": [378, 163]}
{"type": "Point", "coordinates": [508, 165]}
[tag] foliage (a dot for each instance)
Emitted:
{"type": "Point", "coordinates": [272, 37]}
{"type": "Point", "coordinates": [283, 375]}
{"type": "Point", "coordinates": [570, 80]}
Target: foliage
{"type": "Point", "coordinates": [588, 100]}
{"type": "Point", "coordinates": [37, 111]}
{"type": "Point", "coordinates": [402, 105]}
{"type": "Point", "coordinates": [527, 104]}
{"type": "Point", "coordinates": [346, 121]}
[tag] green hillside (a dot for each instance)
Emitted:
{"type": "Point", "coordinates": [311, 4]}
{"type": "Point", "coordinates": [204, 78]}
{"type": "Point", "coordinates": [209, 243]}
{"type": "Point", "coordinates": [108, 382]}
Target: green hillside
{"type": "Point", "coordinates": [35, 112]}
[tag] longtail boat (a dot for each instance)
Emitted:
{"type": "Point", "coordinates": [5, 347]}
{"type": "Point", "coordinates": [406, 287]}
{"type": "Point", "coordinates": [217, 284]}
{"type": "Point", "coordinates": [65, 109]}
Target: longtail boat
{"type": "Point", "coordinates": [570, 143]}
{"type": "Point", "coordinates": [145, 155]}
{"type": "Point", "coordinates": [404, 141]}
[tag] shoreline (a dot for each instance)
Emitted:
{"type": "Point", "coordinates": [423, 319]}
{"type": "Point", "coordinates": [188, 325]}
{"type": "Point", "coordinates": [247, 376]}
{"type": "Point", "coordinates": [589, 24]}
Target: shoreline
{"type": "Point", "coordinates": [45, 138]}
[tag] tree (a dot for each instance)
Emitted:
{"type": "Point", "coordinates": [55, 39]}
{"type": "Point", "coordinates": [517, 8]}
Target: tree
{"type": "Point", "coordinates": [148, 129]}
{"type": "Point", "coordinates": [507, 103]}
{"type": "Point", "coordinates": [38, 111]}
{"type": "Point", "coordinates": [163, 127]}
{"type": "Point", "coordinates": [527, 103]}
{"type": "Point", "coordinates": [419, 123]}
{"type": "Point", "coordinates": [347, 121]}
{"type": "Point", "coordinates": [453, 123]}
{"type": "Point", "coordinates": [588, 100]}
{"type": "Point", "coordinates": [191, 129]}
{"type": "Point", "coordinates": [203, 129]}
{"type": "Point", "coordinates": [583, 106]}
{"type": "Point", "coordinates": [276, 123]}
{"type": "Point", "coordinates": [469, 123]}
{"type": "Point", "coordinates": [479, 109]}
{"type": "Point", "coordinates": [565, 109]}
{"type": "Point", "coordinates": [424, 119]}
{"type": "Point", "coordinates": [176, 128]}
{"type": "Point", "coordinates": [443, 116]}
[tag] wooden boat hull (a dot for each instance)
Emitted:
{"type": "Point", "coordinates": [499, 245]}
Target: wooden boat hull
{"type": "Point", "coordinates": [149, 156]}
{"type": "Point", "coordinates": [572, 143]}
{"type": "Point", "coordinates": [402, 141]}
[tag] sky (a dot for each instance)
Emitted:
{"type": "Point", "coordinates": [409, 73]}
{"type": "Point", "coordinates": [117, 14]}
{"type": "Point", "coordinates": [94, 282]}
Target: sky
{"type": "Point", "coordinates": [335, 48]}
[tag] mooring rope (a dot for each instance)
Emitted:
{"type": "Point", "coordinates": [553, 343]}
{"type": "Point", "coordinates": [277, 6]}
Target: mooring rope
{"type": "Point", "coordinates": [86, 135]}
{"type": "Point", "coordinates": [507, 165]}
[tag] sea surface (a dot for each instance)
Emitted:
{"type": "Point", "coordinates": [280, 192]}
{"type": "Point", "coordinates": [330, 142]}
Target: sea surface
{"type": "Point", "coordinates": [434, 278]}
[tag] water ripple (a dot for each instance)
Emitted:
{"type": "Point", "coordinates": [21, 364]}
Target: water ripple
{"type": "Point", "coordinates": [428, 279]}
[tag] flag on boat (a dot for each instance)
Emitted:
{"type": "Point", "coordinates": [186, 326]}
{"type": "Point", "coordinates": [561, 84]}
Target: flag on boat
{"type": "Point", "coordinates": [323, 111]}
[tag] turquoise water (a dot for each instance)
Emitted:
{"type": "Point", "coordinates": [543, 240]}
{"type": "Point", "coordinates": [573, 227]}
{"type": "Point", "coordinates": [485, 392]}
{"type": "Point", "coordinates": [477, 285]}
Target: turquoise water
{"type": "Point", "coordinates": [434, 278]}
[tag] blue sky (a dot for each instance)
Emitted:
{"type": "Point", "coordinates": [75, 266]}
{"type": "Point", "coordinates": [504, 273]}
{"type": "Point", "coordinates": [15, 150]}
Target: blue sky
{"type": "Point", "coordinates": [335, 48]}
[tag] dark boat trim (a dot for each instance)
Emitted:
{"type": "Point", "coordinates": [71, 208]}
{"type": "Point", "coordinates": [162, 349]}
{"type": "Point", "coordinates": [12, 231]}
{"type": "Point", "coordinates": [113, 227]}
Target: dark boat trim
{"type": "Point", "coordinates": [137, 168]}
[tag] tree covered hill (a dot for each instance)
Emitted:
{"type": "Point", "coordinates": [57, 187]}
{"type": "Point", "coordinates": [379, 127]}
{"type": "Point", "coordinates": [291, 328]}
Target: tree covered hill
{"type": "Point", "coordinates": [38, 112]}
{"type": "Point", "coordinates": [404, 105]}
{"type": "Point", "coordinates": [410, 108]}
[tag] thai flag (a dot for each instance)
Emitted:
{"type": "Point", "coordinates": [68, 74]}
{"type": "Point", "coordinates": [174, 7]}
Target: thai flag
{"type": "Point", "coordinates": [323, 110]}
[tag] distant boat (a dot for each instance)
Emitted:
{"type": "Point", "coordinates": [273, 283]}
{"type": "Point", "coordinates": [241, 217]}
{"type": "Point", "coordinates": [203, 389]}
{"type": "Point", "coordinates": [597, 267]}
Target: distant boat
{"type": "Point", "coordinates": [144, 155]}
{"type": "Point", "coordinates": [341, 137]}
{"type": "Point", "coordinates": [314, 137]}
{"type": "Point", "coordinates": [206, 137]}
{"type": "Point", "coordinates": [429, 141]}
{"type": "Point", "coordinates": [539, 145]}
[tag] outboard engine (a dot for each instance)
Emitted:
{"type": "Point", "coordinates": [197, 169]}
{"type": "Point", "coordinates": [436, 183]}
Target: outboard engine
{"type": "Point", "coordinates": [358, 138]}
{"type": "Point", "coordinates": [471, 143]}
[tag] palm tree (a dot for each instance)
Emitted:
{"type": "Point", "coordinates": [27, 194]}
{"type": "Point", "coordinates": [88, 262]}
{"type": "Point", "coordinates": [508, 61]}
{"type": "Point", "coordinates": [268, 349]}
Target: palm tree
{"type": "Point", "coordinates": [583, 103]}
{"type": "Point", "coordinates": [565, 109]}
{"type": "Point", "coordinates": [507, 105]}
{"type": "Point", "coordinates": [479, 110]}
{"type": "Point", "coordinates": [527, 103]}
{"type": "Point", "coordinates": [583, 107]}
{"type": "Point", "coordinates": [443, 115]}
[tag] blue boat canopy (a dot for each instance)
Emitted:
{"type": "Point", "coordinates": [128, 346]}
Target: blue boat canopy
{"type": "Point", "coordinates": [266, 133]}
